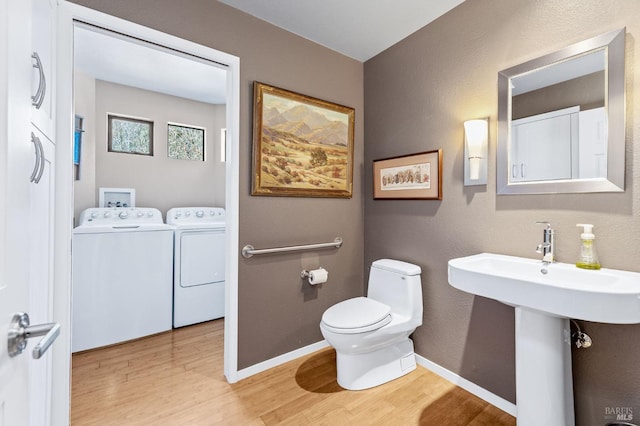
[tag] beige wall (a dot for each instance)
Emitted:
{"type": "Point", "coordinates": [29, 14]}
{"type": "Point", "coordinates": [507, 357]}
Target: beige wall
{"type": "Point", "coordinates": [587, 92]}
{"type": "Point", "coordinates": [278, 312]}
{"type": "Point", "coordinates": [159, 181]}
{"type": "Point", "coordinates": [84, 91]}
{"type": "Point", "coordinates": [418, 94]}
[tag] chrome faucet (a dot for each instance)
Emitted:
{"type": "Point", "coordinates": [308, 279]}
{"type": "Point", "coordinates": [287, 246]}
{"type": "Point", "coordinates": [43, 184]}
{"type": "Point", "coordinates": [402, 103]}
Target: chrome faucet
{"type": "Point", "coordinates": [547, 247]}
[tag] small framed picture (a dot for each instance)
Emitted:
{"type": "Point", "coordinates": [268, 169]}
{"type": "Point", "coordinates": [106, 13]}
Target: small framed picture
{"type": "Point", "coordinates": [409, 177]}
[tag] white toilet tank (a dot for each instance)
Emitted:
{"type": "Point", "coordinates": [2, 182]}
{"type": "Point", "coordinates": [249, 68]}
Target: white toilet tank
{"type": "Point", "coordinates": [398, 285]}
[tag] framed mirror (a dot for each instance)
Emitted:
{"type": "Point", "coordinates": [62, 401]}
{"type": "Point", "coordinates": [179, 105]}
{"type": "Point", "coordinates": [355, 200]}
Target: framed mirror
{"type": "Point", "coordinates": [561, 120]}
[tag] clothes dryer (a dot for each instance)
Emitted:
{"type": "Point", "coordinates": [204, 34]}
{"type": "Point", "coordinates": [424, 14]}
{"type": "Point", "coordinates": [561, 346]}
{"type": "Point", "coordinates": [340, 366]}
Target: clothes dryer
{"type": "Point", "coordinates": [122, 276]}
{"type": "Point", "coordinates": [199, 264]}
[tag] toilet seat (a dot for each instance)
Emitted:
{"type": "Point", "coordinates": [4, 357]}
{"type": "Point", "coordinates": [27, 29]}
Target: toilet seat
{"type": "Point", "coordinates": [357, 315]}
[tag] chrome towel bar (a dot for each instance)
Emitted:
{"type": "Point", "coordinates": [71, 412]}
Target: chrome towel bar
{"type": "Point", "coordinates": [249, 250]}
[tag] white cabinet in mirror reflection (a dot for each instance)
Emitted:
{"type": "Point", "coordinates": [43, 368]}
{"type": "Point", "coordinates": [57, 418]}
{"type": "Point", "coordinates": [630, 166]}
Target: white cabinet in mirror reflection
{"type": "Point", "coordinates": [592, 150]}
{"type": "Point", "coordinates": [563, 144]}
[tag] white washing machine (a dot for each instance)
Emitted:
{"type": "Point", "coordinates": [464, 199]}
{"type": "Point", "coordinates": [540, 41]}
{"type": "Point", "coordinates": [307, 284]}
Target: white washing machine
{"type": "Point", "coordinates": [199, 264]}
{"type": "Point", "coordinates": [122, 276]}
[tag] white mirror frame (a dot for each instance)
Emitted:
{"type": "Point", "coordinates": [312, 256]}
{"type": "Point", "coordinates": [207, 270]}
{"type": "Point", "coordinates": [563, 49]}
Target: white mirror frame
{"type": "Point", "coordinates": [613, 43]}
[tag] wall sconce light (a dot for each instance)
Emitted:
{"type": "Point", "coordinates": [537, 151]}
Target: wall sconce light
{"type": "Point", "coordinates": [476, 136]}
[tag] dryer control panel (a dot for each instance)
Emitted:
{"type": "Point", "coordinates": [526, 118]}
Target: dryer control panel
{"type": "Point", "coordinates": [101, 216]}
{"type": "Point", "coordinates": [195, 215]}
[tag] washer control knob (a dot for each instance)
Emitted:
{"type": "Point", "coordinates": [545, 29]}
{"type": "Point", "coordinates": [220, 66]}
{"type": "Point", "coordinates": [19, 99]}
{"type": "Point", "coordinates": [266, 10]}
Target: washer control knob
{"type": "Point", "coordinates": [139, 214]}
{"type": "Point", "coordinates": [211, 212]}
{"type": "Point", "coordinates": [199, 213]}
{"type": "Point", "coordinates": [150, 214]}
{"type": "Point", "coordinates": [107, 214]}
{"type": "Point", "coordinates": [123, 215]}
{"type": "Point", "coordinates": [187, 213]}
{"type": "Point", "coordinates": [94, 215]}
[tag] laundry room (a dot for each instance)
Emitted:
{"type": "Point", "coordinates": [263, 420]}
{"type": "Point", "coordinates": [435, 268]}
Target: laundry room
{"type": "Point", "coordinates": [171, 169]}
{"type": "Point", "coordinates": [159, 180]}
{"type": "Point", "coordinates": [130, 86]}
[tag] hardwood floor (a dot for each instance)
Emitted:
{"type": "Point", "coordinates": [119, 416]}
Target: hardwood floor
{"type": "Point", "coordinates": [176, 378]}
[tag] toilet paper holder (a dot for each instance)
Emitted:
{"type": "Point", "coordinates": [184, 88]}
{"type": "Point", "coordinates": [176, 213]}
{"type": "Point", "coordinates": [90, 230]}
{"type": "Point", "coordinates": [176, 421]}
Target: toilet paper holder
{"type": "Point", "coordinates": [314, 280]}
{"type": "Point", "coordinates": [304, 274]}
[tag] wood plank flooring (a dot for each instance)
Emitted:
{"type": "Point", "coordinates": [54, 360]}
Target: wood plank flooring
{"type": "Point", "coordinates": [176, 378]}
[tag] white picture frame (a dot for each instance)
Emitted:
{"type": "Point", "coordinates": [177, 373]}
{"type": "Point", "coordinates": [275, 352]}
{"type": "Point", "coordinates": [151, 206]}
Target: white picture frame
{"type": "Point", "coordinates": [117, 197]}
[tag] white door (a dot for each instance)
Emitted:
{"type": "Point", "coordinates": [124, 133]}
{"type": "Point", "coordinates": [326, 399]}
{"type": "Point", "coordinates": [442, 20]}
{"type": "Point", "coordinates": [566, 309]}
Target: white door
{"type": "Point", "coordinates": [15, 155]}
{"type": "Point", "coordinates": [593, 143]}
{"type": "Point", "coordinates": [20, 157]}
{"type": "Point", "coordinates": [43, 42]}
{"type": "Point", "coordinates": [40, 233]}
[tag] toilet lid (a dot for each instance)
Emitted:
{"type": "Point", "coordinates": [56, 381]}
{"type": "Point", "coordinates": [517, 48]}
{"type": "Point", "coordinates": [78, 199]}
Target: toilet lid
{"type": "Point", "coordinates": [356, 313]}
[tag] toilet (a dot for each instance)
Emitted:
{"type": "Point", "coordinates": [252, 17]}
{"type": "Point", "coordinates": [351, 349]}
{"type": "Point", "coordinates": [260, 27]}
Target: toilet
{"type": "Point", "coordinates": [371, 334]}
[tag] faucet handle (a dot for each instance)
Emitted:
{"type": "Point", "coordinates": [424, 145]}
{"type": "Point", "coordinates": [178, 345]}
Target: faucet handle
{"type": "Point", "coordinates": [540, 247]}
{"type": "Point", "coordinates": [544, 222]}
{"type": "Point", "coordinates": [548, 230]}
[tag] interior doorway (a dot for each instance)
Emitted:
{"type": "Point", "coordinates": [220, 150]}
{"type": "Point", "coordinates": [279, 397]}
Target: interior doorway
{"type": "Point", "coordinates": [70, 17]}
{"type": "Point", "coordinates": [141, 86]}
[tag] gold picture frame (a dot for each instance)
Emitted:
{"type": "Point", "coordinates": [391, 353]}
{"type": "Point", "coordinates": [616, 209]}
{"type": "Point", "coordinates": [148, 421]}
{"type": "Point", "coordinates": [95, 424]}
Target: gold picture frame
{"type": "Point", "coordinates": [409, 177]}
{"type": "Point", "coordinates": [302, 146]}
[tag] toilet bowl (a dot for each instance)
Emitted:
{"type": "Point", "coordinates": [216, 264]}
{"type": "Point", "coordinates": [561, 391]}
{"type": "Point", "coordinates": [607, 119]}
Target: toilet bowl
{"type": "Point", "coordinates": [371, 334]}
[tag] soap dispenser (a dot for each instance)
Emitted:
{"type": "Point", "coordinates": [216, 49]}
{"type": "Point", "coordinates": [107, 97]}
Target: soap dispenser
{"type": "Point", "coordinates": [588, 256]}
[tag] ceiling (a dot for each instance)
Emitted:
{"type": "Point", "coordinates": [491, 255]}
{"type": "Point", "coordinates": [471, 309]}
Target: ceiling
{"type": "Point", "coordinates": [359, 29]}
{"type": "Point", "coordinates": [558, 72]}
{"type": "Point", "coordinates": [118, 59]}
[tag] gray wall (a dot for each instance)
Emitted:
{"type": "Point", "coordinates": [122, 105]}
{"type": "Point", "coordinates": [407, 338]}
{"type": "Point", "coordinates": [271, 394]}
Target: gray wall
{"type": "Point", "coordinates": [278, 312]}
{"type": "Point", "coordinates": [587, 92]}
{"type": "Point", "coordinates": [159, 181]}
{"type": "Point", "coordinates": [417, 96]}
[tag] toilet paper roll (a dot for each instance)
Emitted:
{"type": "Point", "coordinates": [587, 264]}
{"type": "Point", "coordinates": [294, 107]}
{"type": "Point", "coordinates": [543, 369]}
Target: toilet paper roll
{"type": "Point", "coordinates": [318, 276]}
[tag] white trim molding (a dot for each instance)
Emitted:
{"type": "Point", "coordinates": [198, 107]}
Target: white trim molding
{"type": "Point", "coordinates": [68, 15]}
{"type": "Point", "coordinates": [480, 392]}
{"type": "Point", "coordinates": [281, 359]}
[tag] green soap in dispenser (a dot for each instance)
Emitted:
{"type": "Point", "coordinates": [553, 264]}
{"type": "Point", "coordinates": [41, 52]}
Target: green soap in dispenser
{"type": "Point", "coordinates": [588, 256]}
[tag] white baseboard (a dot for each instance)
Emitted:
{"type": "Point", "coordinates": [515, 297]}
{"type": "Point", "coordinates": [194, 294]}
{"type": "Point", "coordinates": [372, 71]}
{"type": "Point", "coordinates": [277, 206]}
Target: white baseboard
{"type": "Point", "coordinates": [281, 359]}
{"type": "Point", "coordinates": [491, 398]}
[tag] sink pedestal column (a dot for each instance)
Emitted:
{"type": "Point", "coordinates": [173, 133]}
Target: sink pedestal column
{"type": "Point", "coordinates": [544, 382]}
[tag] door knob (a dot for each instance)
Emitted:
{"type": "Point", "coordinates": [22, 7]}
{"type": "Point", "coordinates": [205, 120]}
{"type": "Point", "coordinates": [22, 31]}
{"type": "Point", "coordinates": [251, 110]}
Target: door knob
{"type": "Point", "coordinates": [20, 330]}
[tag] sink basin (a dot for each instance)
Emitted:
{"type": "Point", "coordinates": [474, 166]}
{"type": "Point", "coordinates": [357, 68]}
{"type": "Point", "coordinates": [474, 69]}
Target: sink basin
{"type": "Point", "coordinates": [545, 297]}
{"type": "Point", "coordinates": [558, 289]}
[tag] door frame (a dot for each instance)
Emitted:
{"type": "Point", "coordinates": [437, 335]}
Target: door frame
{"type": "Point", "coordinates": [67, 14]}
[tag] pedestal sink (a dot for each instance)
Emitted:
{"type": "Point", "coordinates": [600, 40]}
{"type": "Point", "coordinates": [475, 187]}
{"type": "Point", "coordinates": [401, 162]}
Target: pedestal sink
{"type": "Point", "coordinates": [545, 297]}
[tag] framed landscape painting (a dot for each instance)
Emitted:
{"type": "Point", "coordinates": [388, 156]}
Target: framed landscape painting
{"type": "Point", "coordinates": [302, 146]}
{"type": "Point", "coordinates": [409, 177]}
